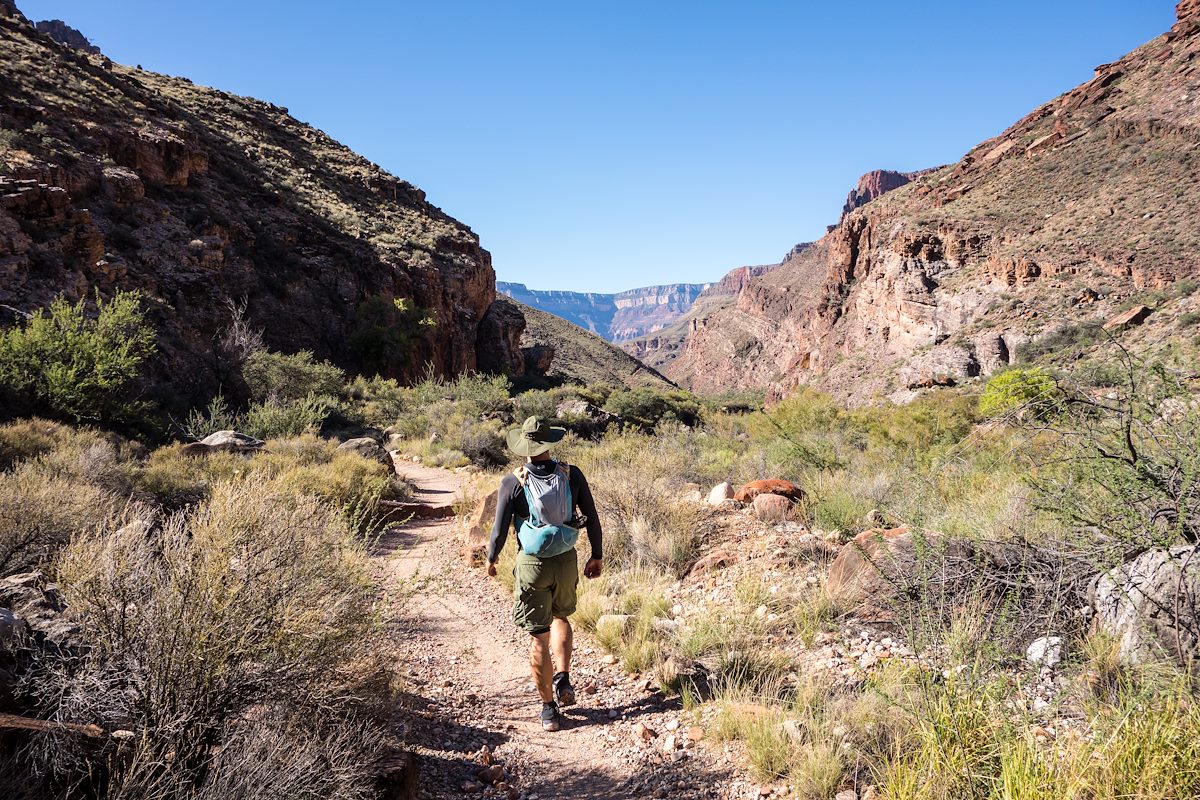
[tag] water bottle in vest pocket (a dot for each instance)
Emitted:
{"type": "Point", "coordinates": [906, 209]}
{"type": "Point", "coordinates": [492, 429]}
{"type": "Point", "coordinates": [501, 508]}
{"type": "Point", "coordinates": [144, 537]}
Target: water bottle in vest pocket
{"type": "Point", "coordinates": [546, 532]}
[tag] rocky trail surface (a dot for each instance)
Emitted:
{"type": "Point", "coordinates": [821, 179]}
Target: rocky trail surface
{"type": "Point", "coordinates": [472, 718]}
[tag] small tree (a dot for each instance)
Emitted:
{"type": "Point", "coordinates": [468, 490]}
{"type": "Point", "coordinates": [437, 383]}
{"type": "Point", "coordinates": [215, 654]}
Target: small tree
{"type": "Point", "coordinates": [1030, 391]}
{"type": "Point", "coordinates": [77, 365]}
{"type": "Point", "coordinates": [286, 379]}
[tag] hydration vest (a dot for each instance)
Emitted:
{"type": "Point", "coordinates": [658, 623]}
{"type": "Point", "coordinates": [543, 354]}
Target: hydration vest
{"type": "Point", "coordinates": [545, 532]}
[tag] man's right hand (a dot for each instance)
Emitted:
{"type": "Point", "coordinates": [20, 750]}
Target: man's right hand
{"type": "Point", "coordinates": [491, 569]}
{"type": "Point", "coordinates": [593, 568]}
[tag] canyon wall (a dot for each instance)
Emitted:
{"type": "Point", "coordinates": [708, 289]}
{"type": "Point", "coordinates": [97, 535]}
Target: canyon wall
{"type": "Point", "coordinates": [1065, 219]}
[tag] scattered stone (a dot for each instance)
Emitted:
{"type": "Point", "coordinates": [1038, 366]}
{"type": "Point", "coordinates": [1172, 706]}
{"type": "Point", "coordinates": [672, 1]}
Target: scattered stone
{"type": "Point", "coordinates": [695, 733]}
{"type": "Point", "coordinates": [720, 493]}
{"type": "Point", "coordinates": [794, 731]}
{"type": "Point", "coordinates": [1045, 652]}
{"type": "Point", "coordinates": [492, 774]}
{"type": "Point", "coordinates": [367, 448]}
{"type": "Point", "coordinates": [771, 507]}
{"type": "Point", "coordinates": [717, 559]}
{"type": "Point", "coordinates": [608, 659]}
{"type": "Point", "coordinates": [846, 794]}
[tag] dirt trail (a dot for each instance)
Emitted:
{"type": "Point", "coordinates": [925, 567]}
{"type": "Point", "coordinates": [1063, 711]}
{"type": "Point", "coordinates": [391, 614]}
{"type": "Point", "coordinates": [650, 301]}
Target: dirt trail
{"type": "Point", "coordinates": [467, 671]}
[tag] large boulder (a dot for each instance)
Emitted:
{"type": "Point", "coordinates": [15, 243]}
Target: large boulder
{"type": "Point", "coordinates": [747, 492]}
{"type": "Point", "coordinates": [231, 442]}
{"type": "Point", "coordinates": [877, 566]}
{"type": "Point", "coordinates": [36, 612]}
{"type": "Point", "coordinates": [367, 448]}
{"type": "Point", "coordinates": [1150, 605]}
{"type": "Point", "coordinates": [477, 528]}
{"type": "Point", "coordinates": [771, 507]}
{"type": "Point", "coordinates": [720, 493]}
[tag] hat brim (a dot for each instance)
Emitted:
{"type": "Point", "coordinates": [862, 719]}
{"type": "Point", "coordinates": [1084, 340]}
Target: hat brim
{"type": "Point", "coordinates": [529, 447]}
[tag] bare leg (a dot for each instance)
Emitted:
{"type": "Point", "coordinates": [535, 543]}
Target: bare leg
{"type": "Point", "coordinates": [562, 643]}
{"type": "Point", "coordinates": [540, 665]}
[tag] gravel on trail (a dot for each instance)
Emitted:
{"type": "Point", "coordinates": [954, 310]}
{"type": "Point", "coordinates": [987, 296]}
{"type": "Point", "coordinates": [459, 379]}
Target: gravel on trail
{"type": "Point", "coordinates": [471, 708]}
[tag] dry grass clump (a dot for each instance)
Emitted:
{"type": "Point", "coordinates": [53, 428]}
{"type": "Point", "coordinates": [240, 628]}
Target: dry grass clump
{"type": "Point", "coordinates": [231, 629]}
{"type": "Point", "coordinates": [647, 524]}
{"type": "Point", "coordinates": [39, 516]}
{"type": "Point", "coordinates": [968, 742]}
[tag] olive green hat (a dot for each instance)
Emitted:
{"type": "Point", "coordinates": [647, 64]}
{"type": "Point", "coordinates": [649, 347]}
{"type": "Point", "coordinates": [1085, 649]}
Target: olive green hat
{"type": "Point", "coordinates": [534, 437]}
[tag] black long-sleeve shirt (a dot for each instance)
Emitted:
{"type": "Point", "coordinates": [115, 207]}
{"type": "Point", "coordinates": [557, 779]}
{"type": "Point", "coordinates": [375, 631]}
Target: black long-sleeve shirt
{"type": "Point", "coordinates": [511, 503]}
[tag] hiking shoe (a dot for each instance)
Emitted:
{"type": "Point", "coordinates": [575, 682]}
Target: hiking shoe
{"type": "Point", "coordinates": [550, 718]}
{"type": "Point", "coordinates": [563, 691]}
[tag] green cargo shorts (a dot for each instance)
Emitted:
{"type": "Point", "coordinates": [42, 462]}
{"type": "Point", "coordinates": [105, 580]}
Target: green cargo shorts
{"type": "Point", "coordinates": [544, 588]}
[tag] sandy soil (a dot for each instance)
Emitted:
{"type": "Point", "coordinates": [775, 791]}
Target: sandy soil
{"type": "Point", "coordinates": [472, 702]}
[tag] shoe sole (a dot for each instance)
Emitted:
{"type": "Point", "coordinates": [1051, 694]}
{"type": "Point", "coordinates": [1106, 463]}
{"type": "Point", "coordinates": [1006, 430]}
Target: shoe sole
{"type": "Point", "coordinates": [551, 726]}
{"type": "Point", "coordinates": [565, 698]}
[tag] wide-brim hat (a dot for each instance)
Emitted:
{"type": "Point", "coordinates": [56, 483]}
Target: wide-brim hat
{"type": "Point", "coordinates": [534, 437]}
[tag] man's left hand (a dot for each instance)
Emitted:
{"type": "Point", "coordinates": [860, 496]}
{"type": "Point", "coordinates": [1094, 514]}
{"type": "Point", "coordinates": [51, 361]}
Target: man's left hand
{"type": "Point", "coordinates": [491, 569]}
{"type": "Point", "coordinates": [593, 568]}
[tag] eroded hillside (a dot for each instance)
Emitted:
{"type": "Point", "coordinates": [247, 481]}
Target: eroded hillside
{"type": "Point", "coordinates": [115, 178]}
{"type": "Point", "coordinates": [1079, 212]}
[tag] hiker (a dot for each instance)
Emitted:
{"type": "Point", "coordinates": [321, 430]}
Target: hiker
{"type": "Point", "coordinates": [547, 502]}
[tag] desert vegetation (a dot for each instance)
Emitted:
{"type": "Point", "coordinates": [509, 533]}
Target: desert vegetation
{"type": "Point", "coordinates": [215, 616]}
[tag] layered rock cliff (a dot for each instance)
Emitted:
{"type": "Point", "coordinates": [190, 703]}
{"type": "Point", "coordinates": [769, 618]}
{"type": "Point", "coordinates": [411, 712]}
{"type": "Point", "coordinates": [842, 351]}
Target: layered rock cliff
{"type": "Point", "coordinates": [212, 206]}
{"type": "Point", "coordinates": [617, 317]}
{"type": "Point", "coordinates": [875, 183]}
{"type": "Point", "coordinates": [64, 34]}
{"type": "Point", "coordinates": [1078, 211]}
{"type": "Point", "coordinates": [660, 346]}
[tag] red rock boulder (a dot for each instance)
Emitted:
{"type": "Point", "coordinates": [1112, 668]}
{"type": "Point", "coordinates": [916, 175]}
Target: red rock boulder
{"type": "Point", "coordinates": [777, 486]}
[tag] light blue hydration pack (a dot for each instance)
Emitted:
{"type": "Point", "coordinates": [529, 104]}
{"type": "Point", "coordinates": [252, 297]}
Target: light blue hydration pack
{"type": "Point", "coordinates": [545, 533]}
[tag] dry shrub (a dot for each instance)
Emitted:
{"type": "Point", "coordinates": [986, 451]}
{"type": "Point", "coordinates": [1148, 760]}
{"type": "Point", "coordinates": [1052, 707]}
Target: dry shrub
{"type": "Point", "coordinates": [174, 480]}
{"type": "Point", "coordinates": [39, 515]}
{"type": "Point", "coordinates": [251, 604]}
{"type": "Point", "coordinates": [645, 522]}
{"type": "Point", "coordinates": [347, 479]}
{"type": "Point", "coordinates": [28, 438]}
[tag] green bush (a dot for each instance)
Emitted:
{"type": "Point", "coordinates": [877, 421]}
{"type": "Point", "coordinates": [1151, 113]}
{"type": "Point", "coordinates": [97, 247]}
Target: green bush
{"type": "Point", "coordinates": [377, 401]}
{"type": "Point", "coordinates": [286, 379]}
{"type": "Point", "coordinates": [1030, 391]}
{"type": "Point", "coordinates": [79, 366]}
{"type": "Point", "coordinates": [269, 419]}
{"type": "Point", "coordinates": [645, 408]}
{"type": "Point", "coordinates": [386, 331]}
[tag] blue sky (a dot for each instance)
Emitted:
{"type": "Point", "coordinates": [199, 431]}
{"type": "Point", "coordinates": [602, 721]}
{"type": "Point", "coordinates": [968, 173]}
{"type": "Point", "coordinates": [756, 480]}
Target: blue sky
{"type": "Point", "coordinates": [604, 146]}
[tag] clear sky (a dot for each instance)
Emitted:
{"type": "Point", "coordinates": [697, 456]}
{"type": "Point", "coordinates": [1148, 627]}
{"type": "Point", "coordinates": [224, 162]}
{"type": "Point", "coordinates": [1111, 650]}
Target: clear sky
{"type": "Point", "coordinates": [606, 145]}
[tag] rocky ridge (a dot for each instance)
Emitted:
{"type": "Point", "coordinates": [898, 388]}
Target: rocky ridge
{"type": "Point", "coordinates": [65, 35]}
{"type": "Point", "coordinates": [659, 347]}
{"type": "Point", "coordinates": [215, 206]}
{"type": "Point", "coordinates": [617, 317]}
{"type": "Point", "coordinates": [1065, 219]}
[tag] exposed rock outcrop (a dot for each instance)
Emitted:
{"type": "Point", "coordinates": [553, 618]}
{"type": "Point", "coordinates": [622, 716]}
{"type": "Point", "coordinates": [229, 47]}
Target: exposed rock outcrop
{"type": "Point", "coordinates": [874, 184]}
{"type": "Point", "coordinates": [1151, 605]}
{"type": "Point", "coordinates": [64, 34]}
{"type": "Point", "coordinates": [941, 278]}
